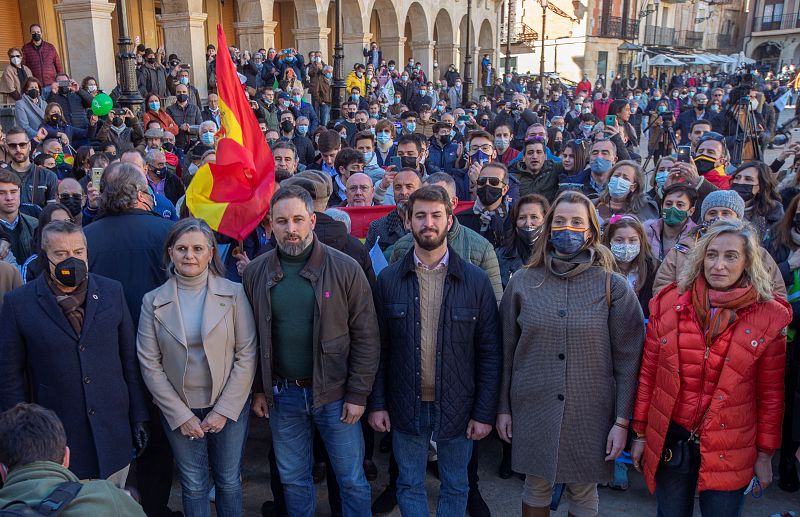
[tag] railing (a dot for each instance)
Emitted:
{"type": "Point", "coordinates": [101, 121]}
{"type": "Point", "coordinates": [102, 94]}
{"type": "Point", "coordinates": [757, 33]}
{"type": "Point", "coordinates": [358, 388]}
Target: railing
{"type": "Point", "coordinates": [689, 39]}
{"type": "Point", "coordinates": [723, 43]}
{"type": "Point", "coordinates": [615, 27]}
{"type": "Point", "coordinates": [520, 33]}
{"type": "Point", "coordinates": [775, 23]}
{"type": "Point", "coordinates": [664, 36]}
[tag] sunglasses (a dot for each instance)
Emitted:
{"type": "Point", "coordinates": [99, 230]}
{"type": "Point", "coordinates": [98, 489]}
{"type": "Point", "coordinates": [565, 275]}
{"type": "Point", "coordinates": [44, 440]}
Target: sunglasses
{"type": "Point", "coordinates": [20, 145]}
{"type": "Point", "coordinates": [15, 55]}
{"type": "Point", "coordinates": [711, 135]}
{"type": "Point", "coordinates": [491, 180]}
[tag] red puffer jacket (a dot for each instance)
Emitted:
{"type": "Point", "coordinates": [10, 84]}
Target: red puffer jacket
{"type": "Point", "coordinates": [746, 403]}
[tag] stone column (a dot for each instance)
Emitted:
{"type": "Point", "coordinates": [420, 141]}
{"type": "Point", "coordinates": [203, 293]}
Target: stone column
{"type": "Point", "coordinates": [477, 79]}
{"type": "Point", "coordinates": [184, 35]}
{"type": "Point", "coordinates": [256, 34]}
{"type": "Point", "coordinates": [394, 49]}
{"type": "Point", "coordinates": [354, 45]}
{"type": "Point", "coordinates": [309, 40]}
{"type": "Point", "coordinates": [422, 52]}
{"type": "Point", "coordinates": [88, 26]}
{"type": "Point", "coordinates": [447, 55]}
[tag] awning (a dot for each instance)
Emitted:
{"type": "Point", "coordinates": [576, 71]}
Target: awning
{"type": "Point", "coordinates": [662, 60]}
{"type": "Point", "coordinates": [629, 47]}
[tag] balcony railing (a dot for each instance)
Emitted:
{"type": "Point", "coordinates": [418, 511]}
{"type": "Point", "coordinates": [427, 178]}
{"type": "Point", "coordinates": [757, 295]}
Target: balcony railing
{"type": "Point", "coordinates": [775, 23]}
{"type": "Point", "coordinates": [664, 36]}
{"type": "Point", "coordinates": [689, 39]}
{"type": "Point", "coordinates": [615, 27]}
{"type": "Point", "coordinates": [722, 43]}
{"type": "Point", "coordinates": [520, 34]}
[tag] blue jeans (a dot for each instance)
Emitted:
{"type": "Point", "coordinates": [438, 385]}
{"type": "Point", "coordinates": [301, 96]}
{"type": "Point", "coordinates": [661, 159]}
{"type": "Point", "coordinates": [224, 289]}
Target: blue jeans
{"type": "Point", "coordinates": [411, 453]}
{"type": "Point", "coordinates": [324, 114]}
{"type": "Point", "coordinates": [292, 420]}
{"type": "Point", "coordinates": [221, 451]}
{"type": "Point", "coordinates": [675, 496]}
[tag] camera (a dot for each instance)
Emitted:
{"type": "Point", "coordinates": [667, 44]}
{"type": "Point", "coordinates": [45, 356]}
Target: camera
{"type": "Point", "coordinates": [744, 101]}
{"type": "Point", "coordinates": [173, 63]}
{"type": "Point", "coordinates": [667, 116]}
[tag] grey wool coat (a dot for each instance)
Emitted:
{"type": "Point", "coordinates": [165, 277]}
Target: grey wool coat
{"type": "Point", "coordinates": [570, 368]}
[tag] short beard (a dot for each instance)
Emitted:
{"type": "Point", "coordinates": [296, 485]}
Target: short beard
{"type": "Point", "coordinates": [294, 250]}
{"type": "Point", "coordinates": [281, 175]}
{"type": "Point", "coordinates": [429, 244]}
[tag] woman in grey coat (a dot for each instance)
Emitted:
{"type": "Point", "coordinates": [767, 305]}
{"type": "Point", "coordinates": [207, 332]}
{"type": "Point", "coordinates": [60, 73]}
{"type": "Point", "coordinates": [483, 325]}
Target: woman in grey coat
{"type": "Point", "coordinates": [29, 109]}
{"type": "Point", "coordinates": [573, 333]}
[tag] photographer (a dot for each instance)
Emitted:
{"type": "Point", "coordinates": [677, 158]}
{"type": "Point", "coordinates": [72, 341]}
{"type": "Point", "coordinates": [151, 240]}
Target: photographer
{"type": "Point", "coordinates": [122, 129]}
{"type": "Point", "coordinates": [661, 122]}
{"type": "Point", "coordinates": [742, 125]}
{"type": "Point", "coordinates": [684, 123]}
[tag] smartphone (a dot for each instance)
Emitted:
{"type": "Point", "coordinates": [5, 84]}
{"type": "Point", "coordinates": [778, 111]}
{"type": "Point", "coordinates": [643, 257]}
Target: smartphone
{"type": "Point", "coordinates": [463, 118]}
{"type": "Point", "coordinates": [185, 66]}
{"type": "Point", "coordinates": [396, 162]}
{"type": "Point", "coordinates": [684, 153]}
{"type": "Point", "coordinates": [97, 173]}
{"type": "Point", "coordinates": [611, 120]}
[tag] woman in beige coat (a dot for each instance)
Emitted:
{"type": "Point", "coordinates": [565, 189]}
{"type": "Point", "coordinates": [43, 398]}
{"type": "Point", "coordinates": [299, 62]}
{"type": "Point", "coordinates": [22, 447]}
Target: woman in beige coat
{"type": "Point", "coordinates": [14, 76]}
{"type": "Point", "coordinates": [197, 350]}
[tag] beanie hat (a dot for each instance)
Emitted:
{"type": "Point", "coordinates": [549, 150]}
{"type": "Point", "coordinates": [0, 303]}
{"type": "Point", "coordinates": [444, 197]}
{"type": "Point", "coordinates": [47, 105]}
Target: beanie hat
{"type": "Point", "coordinates": [723, 199]}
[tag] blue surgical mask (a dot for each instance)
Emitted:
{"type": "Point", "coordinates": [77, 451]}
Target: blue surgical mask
{"type": "Point", "coordinates": [207, 138]}
{"type": "Point", "coordinates": [155, 106]}
{"type": "Point", "coordinates": [479, 157]}
{"type": "Point", "coordinates": [587, 128]}
{"type": "Point", "coordinates": [566, 240]}
{"type": "Point", "coordinates": [411, 127]}
{"type": "Point", "coordinates": [328, 75]}
{"type": "Point", "coordinates": [452, 134]}
{"type": "Point", "coordinates": [618, 187]}
{"type": "Point", "coordinates": [184, 80]}
{"type": "Point", "coordinates": [661, 178]}
{"type": "Point", "coordinates": [368, 156]}
{"type": "Point", "coordinates": [302, 129]}
{"type": "Point", "coordinates": [356, 97]}
{"type": "Point", "coordinates": [383, 138]}
{"type": "Point", "coordinates": [297, 98]}
{"type": "Point", "coordinates": [662, 109]}
{"type": "Point", "coordinates": [600, 165]}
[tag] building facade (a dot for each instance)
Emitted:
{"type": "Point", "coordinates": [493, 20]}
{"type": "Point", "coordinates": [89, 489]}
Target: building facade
{"type": "Point", "coordinates": [773, 32]}
{"type": "Point", "coordinates": [85, 31]}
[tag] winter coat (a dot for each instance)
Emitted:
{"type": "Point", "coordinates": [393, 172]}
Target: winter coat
{"type": "Point", "coordinates": [163, 118]}
{"type": "Point", "coordinates": [43, 61]}
{"type": "Point", "coordinates": [129, 138]}
{"type": "Point", "coordinates": [654, 228]}
{"type": "Point", "coordinates": [353, 81]}
{"type": "Point", "coordinates": [570, 361]}
{"type": "Point", "coordinates": [468, 349]}
{"type": "Point", "coordinates": [189, 114]}
{"type": "Point", "coordinates": [741, 375]}
{"type": "Point", "coordinates": [91, 381]}
{"type": "Point", "coordinates": [320, 88]}
{"type": "Point", "coordinates": [675, 261]}
{"type": "Point", "coordinates": [10, 84]}
{"type": "Point", "coordinates": [73, 106]}
{"type": "Point", "coordinates": [152, 79]}
{"type": "Point", "coordinates": [469, 245]}
{"type": "Point", "coordinates": [29, 114]}
{"type": "Point", "coordinates": [443, 158]}
{"type": "Point", "coordinates": [544, 183]}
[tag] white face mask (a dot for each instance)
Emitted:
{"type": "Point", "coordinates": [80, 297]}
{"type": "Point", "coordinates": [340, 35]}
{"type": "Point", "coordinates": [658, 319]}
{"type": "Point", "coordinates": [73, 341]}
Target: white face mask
{"type": "Point", "coordinates": [92, 88]}
{"type": "Point", "coordinates": [16, 61]}
{"type": "Point", "coordinates": [754, 104]}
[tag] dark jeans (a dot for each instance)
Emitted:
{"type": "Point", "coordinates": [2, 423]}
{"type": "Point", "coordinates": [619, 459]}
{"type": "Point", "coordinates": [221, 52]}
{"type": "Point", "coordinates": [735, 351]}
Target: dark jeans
{"type": "Point", "coordinates": [154, 469]}
{"type": "Point", "coordinates": [675, 496]}
{"type": "Point", "coordinates": [222, 452]}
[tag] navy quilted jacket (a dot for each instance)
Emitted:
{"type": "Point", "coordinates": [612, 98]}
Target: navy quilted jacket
{"type": "Point", "coordinates": [468, 349]}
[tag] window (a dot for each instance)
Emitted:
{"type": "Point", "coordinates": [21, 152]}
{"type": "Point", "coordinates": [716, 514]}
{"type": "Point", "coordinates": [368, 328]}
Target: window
{"type": "Point", "coordinates": [602, 64]}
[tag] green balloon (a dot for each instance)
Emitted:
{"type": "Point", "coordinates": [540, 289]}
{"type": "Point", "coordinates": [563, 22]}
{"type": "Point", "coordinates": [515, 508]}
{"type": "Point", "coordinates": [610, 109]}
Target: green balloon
{"type": "Point", "coordinates": [102, 104]}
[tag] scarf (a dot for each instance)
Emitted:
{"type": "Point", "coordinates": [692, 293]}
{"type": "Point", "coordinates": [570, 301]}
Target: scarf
{"type": "Point", "coordinates": [72, 304]}
{"type": "Point", "coordinates": [490, 218]}
{"type": "Point", "coordinates": [716, 310]}
{"type": "Point", "coordinates": [569, 266]}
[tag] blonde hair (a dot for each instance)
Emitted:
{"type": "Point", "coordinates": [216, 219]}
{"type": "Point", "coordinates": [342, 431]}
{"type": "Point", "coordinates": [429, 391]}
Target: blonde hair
{"type": "Point", "coordinates": [602, 255]}
{"type": "Point", "coordinates": [754, 271]}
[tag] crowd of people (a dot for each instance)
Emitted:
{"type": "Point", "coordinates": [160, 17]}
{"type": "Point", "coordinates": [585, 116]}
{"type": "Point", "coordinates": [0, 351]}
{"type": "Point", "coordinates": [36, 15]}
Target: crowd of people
{"type": "Point", "coordinates": [536, 277]}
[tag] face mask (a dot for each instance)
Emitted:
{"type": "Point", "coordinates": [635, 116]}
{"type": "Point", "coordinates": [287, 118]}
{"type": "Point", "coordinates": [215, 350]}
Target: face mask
{"type": "Point", "coordinates": [318, 59]}
{"type": "Point", "coordinates": [302, 129]}
{"type": "Point", "coordinates": [55, 119]}
{"type": "Point", "coordinates": [285, 104]}
{"type": "Point", "coordinates": [502, 144]}
{"type": "Point", "coordinates": [182, 97]}
{"type": "Point", "coordinates": [458, 85]}
{"type": "Point", "coordinates": [372, 130]}
{"type": "Point", "coordinates": [600, 165]}
{"type": "Point", "coordinates": [207, 138]}
{"type": "Point", "coordinates": [356, 97]}
{"type": "Point", "coordinates": [587, 128]}
{"type": "Point", "coordinates": [444, 139]}
{"type": "Point", "coordinates": [359, 74]}
{"type": "Point", "coordinates": [404, 78]}
{"type": "Point", "coordinates": [715, 108]}
{"type": "Point", "coordinates": [478, 157]}
{"type": "Point", "coordinates": [673, 216]}
{"type": "Point", "coordinates": [117, 122]}
{"type": "Point", "coordinates": [529, 235]}
{"type": "Point", "coordinates": [328, 75]}
{"type": "Point", "coordinates": [657, 97]}
{"type": "Point", "coordinates": [151, 60]}
{"type": "Point", "coordinates": [37, 37]}
{"type": "Point", "coordinates": [661, 178]}
{"type": "Point", "coordinates": [161, 173]}
{"type": "Point", "coordinates": [625, 252]}
{"type": "Point", "coordinates": [489, 195]}
{"type": "Point", "coordinates": [566, 240]}
{"type": "Point", "coordinates": [745, 191]}
{"type": "Point", "coordinates": [440, 108]}
{"type": "Point", "coordinates": [168, 146]}
{"type": "Point", "coordinates": [754, 104]}
{"type": "Point", "coordinates": [91, 88]}
{"type": "Point", "coordinates": [411, 127]}
{"type": "Point", "coordinates": [33, 93]}
{"type": "Point", "coordinates": [70, 272]}
{"type": "Point", "coordinates": [383, 138]}
{"type": "Point", "coordinates": [368, 156]}
{"type": "Point", "coordinates": [452, 134]}
{"type": "Point", "coordinates": [662, 109]}
{"type": "Point", "coordinates": [287, 126]}
{"type": "Point", "coordinates": [74, 205]}
{"type": "Point", "coordinates": [557, 146]}
{"type": "Point", "coordinates": [618, 187]}
{"type": "Point", "coordinates": [184, 80]}
{"type": "Point", "coordinates": [155, 106]}
{"type": "Point", "coordinates": [391, 68]}
{"type": "Point", "coordinates": [297, 98]}
{"type": "Point", "coordinates": [408, 162]}
{"type": "Point", "coordinates": [704, 164]}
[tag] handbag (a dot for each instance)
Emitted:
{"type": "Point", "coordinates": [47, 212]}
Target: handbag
{"type": "Point", "coordinates": [681, 453]}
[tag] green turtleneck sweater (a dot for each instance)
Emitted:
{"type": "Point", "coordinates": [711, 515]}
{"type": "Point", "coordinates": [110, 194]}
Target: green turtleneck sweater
{"type": "Point", "coordinates": [293, 305]}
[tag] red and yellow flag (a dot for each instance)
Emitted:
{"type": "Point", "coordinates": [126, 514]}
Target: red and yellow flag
{"type": "Point", "coordinates": [233, 195]}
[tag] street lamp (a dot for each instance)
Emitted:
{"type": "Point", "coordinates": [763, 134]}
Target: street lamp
{"type": "Point", "coordinates": [544, 19]}
{"type": "Point", "coordinates": [129, 93]}
{"type": "Point", "coordinates": [508, 38]}
{"type": "Point", "coordinates": [338, 64]}
{"type": "Point", "coordinates": [466, 94]}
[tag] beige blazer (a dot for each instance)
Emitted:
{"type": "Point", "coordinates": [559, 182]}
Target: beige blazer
{"type": "Point", "coordinates": [229, 340]}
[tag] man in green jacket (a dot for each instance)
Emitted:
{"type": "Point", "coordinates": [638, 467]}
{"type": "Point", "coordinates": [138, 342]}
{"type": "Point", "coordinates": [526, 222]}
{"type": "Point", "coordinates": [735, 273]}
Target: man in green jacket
{"type": "Point", "coordinates": [34, 461]}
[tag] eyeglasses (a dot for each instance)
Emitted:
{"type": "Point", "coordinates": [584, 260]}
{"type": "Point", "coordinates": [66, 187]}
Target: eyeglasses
{"type": "Point", "coordinates": [15, 55]}
{"type": "Point", "coordinates": [20, 145]}
{"type": "Point", "coordinates": [491, 180]}
{"type": "Point", "coordinates": [486, 148]}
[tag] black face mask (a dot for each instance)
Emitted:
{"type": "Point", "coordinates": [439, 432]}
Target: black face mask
{"type": "Point", "coordinates": [36, 37]}
{"type": "Point", "coordinates": [287, 126]}
{"type": "Point", "coordinates": [528, 235]}
{"type": "Point", "coordinates": [444, 139]}
{"type": "Point", "coordinates": [33, 93]}
{"type": "Point", "coordinates": [117, 121]}
{"type": "Point", "coordinates": [151, 60]}
{"type": "Point", "coordinates": [488, 195]}
{"type": "Point", "coordinates": [408, 162]}
{"type": "Point", "coordinates": [63, 90]}
{"type": "Point", "coordinates": [73, 204]}
{"type": "Point", "coordinates": [745, 191]}
{"type": "Point", "coordinates": [168, 146]}
{"type": "Point", "coordinates": [182, 97]}
{"type": "Point", "coordinates": [361, 126]}
{"type": "Point", "coordinates": [70, 272]}
{"type": "Point", "coordinates": [55, 119]}
{"type": "Point", "coordinates": [704, 166]}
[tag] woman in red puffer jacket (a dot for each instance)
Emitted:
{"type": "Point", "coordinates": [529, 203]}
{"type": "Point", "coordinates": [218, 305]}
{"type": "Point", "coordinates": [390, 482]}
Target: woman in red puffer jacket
{"type": "Point", "coordinates": [711, 380]}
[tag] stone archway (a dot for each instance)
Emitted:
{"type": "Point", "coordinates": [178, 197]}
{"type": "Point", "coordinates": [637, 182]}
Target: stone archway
{"type": "Point", "coordinates": [183, 23]}
{"type": "Point", "coordinates": [418, 38]}
{"type": "Point", "coordinates": [384, 25]}
{"type": "Point", "coordinates": [354, 36]}
{"type": "Point", "coordinates": [474, 48]}
{"type": "Point", "coordinates": [311, 29]}
{"type": "Point", "coordinates": [486, 41]}
{"type": "Point", "coordinates": [445, 51]}
{"type": "Point", "coordinates": [255, 27]}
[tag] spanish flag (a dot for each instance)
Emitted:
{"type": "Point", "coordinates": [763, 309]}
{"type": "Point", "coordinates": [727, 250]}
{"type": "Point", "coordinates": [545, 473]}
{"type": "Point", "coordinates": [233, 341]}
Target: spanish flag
{"type": "Point", "coordinates": [233, 195]}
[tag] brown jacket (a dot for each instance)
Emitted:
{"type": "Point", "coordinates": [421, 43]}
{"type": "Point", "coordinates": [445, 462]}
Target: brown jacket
{"type": "Point", "coordinates": [346, 339]}
{"type": "Point", "coordinates": [229, 339]}
{"type": "Point", "coordinates": [319, 88]}
{"type": "Point", "coordinates": [675, 261]}
{"type": "Point", "coordinates": [10, 87]}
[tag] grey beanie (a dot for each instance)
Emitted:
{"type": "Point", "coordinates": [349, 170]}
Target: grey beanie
{"type": "Point", "coordinates": [723, 199]}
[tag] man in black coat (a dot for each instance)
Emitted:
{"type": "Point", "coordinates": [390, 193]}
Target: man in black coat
{"type": "Point", "coordinates": [126, 243]}
{"type": "Point", "coordinates": [69, 336]}
{"type": "Point", "coordinates": [441, 355]}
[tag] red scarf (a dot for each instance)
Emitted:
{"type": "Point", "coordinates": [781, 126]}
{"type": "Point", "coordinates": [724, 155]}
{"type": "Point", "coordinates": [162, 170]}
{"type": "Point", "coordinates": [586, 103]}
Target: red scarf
{"type": "Point", "coordinates": [716, 310]}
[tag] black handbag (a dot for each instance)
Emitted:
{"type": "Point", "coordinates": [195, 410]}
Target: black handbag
{"type": "Point", "coordinates": [681, 451]}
